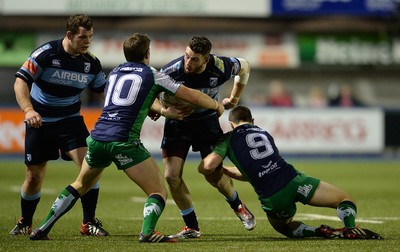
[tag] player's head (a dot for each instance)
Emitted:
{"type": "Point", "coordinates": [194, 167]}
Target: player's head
{"type": "Point", "coordinates": [196, 54]}
{"type": "Point", "coordinates": [137, 48]}
{"type": "Point", "coordinates": [78, 20]}
{"type": "Point", "coordinates": [79, 33]}
{"type": "Point", "coordinates": [240, 115]}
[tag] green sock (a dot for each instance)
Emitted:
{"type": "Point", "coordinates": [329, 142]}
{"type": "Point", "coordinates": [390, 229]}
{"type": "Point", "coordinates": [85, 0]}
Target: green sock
{"type": "Point", "coordinates": [153, 208]}
{"type": "Point", "coordinates": [347, 212]}
{"type": "Point", "coordinates": [304, 231]}
{"type": "Point", "coordinates": [64, 202]}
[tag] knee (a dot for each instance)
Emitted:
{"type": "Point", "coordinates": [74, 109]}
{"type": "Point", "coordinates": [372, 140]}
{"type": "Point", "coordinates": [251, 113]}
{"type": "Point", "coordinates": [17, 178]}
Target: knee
{"type": "Point", "coordinates": [34, 177]}
{"type": "Point", "coordinates": [173, 181]}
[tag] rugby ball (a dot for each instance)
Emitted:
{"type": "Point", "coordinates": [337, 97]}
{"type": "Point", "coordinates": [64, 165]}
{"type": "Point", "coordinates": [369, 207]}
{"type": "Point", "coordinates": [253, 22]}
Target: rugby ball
{"type": "Point", "coordinates": [170, 100]}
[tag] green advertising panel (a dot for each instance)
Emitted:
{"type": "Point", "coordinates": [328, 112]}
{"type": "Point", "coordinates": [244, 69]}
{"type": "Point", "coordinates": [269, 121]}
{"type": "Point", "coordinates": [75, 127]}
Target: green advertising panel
{"type": "Point", "coordinates": [348, 50]}
{"type": "Point", "coordinates": [15, 48]}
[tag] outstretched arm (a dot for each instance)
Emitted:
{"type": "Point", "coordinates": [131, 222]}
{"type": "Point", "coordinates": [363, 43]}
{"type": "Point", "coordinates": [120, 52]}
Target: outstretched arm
{"type": "Point", "coordinates": [234, 173]}
{"type": "Point", "coordinates": [210, 163]}
{"type": "Point", "coordinates": [239, 83]}
{"type": "Point", "coordinates": [199, 99]}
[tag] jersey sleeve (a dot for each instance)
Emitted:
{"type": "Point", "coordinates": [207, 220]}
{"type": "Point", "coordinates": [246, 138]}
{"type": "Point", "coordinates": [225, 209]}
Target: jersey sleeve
{"type": "Point", "coordinates": [229, 66]}
{"type": "Point", "coordinates": [222, 145]}
{"type": "Point", "coordinates": [236, 66]}
{"type": "Point", "coordinates": [166, 82]}
{"type": "Point", "coordinates": [33, 66]}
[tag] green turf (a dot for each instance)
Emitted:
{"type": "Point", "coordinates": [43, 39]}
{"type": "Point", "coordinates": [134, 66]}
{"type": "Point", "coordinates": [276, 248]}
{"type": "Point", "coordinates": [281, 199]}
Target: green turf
{"type": "Point", "coordinates": [373, 184]}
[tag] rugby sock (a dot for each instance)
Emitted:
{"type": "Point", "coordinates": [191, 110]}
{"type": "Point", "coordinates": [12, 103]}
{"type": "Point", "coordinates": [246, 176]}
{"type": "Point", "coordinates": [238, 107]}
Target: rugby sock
{"type": "Point", "coordinates": [64, 202]}
{"type": "Point", "coordinates": [190, 218]}
{"type": "Point", "coordinates": [347, 212]}
{"type": "Point", "coordinates": [28, 206]}
{"type": "Point", "coordinates": [153, 208]}
{"type": "Point", "coordinates": [89, 203]}
{"type": "Point", "coordinates": [304, 230]}
{"type": "Point", "coordinates": [234, 201]}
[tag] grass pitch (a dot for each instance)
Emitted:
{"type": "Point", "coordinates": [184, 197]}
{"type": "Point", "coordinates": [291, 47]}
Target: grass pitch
{"type": "Point", "coordinates": [372, 183]}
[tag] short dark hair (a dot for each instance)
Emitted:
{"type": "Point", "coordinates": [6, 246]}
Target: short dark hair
{"type": "Point", "coordinates": [240, 114]}
{"type": "Point", "coordinates": [200, 44]}
{"type": "Point", "coordinates": [78, 20]}
{"type": "Point", "coordinates": [136, 47]}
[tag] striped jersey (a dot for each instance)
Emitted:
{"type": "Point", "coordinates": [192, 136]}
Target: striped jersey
{"type": "Point", "coordinates": [219, 69]}
{"type": "Point", "coordinates": [57, 79]}
{"type": "Point", "coordinates": [130, 91]}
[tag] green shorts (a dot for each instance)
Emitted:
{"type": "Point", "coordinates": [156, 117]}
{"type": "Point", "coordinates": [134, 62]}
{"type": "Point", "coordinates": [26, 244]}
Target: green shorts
{"type": "Point", "coordinates": [123, 154]}
{"type": "Point", "coordinates": [282, 204]}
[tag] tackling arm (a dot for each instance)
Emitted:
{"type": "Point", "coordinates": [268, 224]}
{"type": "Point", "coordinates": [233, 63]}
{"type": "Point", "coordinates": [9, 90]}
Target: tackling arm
{"type": "Point", "coordinates": [210, 163]}
{"type": "Point", "coordinates": [199, 99]}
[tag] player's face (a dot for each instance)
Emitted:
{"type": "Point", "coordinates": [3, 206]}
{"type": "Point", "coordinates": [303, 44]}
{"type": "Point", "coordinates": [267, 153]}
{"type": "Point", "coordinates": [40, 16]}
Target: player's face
{"type": "Point", "coordinates": [194, 62]}
{"type": "Point", "coordinates": [80, 42]}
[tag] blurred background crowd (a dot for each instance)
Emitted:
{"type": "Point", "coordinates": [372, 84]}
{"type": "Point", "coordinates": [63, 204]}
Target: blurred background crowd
{"type": "Point", "coordinates": [303, 53]}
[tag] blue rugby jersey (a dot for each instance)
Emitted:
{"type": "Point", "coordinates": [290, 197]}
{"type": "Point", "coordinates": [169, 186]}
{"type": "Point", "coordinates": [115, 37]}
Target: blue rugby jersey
{"type": "Point", "coordinates": [218, 70]}
{"type": "Point", "coordinates": [57, 79]}
{"type": "Point", "coordinates": [130, 92]}
{"type": "Point", "coordinates": [254, 153]}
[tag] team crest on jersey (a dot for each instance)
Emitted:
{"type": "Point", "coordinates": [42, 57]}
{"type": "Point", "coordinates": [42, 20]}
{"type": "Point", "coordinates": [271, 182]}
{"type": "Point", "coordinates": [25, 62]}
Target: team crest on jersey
{"type": "Point", "coordinates": [87, 67]}
{"type": "Point", "coordinates": [213, 81]}
{"type": "Point", "coordinates": [29, 157]}
{"type": "Point", "coordinates": [56, 62]}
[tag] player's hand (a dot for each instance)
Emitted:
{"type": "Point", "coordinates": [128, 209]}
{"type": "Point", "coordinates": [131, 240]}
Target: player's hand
{"type": "Point", "coordinates": [33, 119]}
{"type": "Point", "coordinates": [177, 112]}
{"type": "Point", "coordinates": [227, 103]}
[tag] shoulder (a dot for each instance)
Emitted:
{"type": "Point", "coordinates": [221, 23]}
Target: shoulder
{"type": "Point", "coordinates": [173, 66]}
{"type": "Point", "coordinates": [224, 63]}
{"type": "Point", "coordinates": [45, 49]}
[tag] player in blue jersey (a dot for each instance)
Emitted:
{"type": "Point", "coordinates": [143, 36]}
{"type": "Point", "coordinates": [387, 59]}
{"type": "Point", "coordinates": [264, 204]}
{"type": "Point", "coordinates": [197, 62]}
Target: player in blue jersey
{"type": "Point", "coordinates": [278, 184]}
{"type": "Point", "coordinates": [201, 70]}
{"type": "Point", "coordinates": [132, 88]}
{"type": "Point", "coordinates": [48, 88]}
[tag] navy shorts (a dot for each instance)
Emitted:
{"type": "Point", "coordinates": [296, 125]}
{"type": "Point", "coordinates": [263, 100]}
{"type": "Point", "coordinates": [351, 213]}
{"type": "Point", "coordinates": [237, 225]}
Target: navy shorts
{"type": "Point", "coordinates": [51, 140]}
{"type": "Point", "coordinates": [201, 134]}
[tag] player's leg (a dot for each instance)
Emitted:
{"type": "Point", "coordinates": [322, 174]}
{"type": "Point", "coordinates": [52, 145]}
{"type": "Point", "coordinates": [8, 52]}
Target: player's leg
{"type": "Point", "coordinates": [30, 197]}
{"type": "Point", "coordinates": [175, 146]}
{"type": "Point", "coordinates": [328, 195]}
{"type": "Point", "coordinates": [39, 148]}
{"type": "Point", "coordinates": [204, 141]}
{"type": "Point", "coordinates": [281, 208]}
{"type": "Point", "coordinates": [180, 193]}
{"type": "Point", "coordinates": [147, 176]}
{"type": "Point", "coordinates": [67, 199]}
{"type": "Point", "coordinates": [73, 143]}
{"type": "Point", "coordinates": [225, 186]}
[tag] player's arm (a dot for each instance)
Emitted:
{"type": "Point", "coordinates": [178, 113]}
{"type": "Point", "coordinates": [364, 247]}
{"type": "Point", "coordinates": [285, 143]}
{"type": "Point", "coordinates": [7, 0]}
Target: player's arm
{"type": "Point", "coordinates": [21, 90]}
{"type": "Point", "coordinates": [199, 99]}
{"type": "Point", "coordinates": [210, 163]}
{"type": "Point", "coordinates": [240, 81]}
{"type": "Point", "coordinates": [233, 172]}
